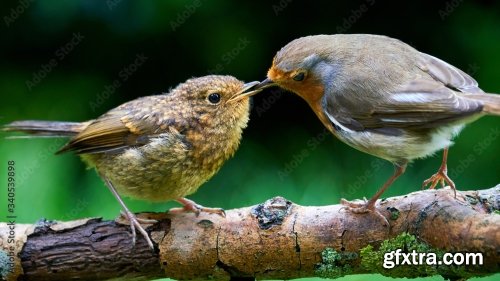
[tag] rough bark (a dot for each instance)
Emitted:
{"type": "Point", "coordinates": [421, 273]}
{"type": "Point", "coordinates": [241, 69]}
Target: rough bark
{"type": "Point", "coordinates": [273, 240]}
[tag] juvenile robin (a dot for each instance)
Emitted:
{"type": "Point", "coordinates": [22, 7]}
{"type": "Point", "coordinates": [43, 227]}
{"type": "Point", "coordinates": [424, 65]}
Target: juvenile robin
{"type": "Point", "coordinates": [162, 147]}
{"type": "Point", "coordinates": [383, 97]}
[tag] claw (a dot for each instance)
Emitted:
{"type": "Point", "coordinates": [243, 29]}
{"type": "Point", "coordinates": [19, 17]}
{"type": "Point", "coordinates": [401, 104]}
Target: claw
{"type": "Point", "coordinates": [441, 176]}
{"type": "Point", "coordinates": [136, 223]}
{"type": "Point", "coordinates": [133, 220]}
{"type": "Point", "coordinates": [362, 208]}
{"type": "Point", "coordinates": [191, 206]}
{"type": "Point", "coordinates": [369, 206]}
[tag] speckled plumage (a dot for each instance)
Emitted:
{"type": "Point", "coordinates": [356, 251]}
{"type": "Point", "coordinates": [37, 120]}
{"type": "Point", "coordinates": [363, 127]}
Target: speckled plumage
{"type": "Point", "coordinates": [161, 147]}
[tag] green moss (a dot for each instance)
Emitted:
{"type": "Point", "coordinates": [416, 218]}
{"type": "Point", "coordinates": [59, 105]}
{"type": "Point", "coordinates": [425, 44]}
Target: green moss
{"type": "Point", "coordinates": [334, 264]}
{"type": "Point", "coordinates": [373, 260]}
{"type": "Point", "coordinates": [496, 212]}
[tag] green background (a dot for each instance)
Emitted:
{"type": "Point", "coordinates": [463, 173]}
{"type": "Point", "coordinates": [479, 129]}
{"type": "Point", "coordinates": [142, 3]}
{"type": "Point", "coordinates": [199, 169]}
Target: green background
{"type": "Point", "coordinates": [182, 39]}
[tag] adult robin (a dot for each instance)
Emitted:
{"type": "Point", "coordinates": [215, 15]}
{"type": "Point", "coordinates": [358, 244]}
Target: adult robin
{"type": "Point", "coordinates": [383, 97]}
{"type": "Point", "coordinates": [161, 147]}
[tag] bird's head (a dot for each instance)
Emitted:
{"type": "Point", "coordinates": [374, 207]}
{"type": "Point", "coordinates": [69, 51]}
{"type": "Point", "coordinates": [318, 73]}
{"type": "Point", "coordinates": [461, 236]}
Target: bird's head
{"type": "Point", "coordinates": [302, 67]}
{"type": "Point", "coordinates": [214, 100]}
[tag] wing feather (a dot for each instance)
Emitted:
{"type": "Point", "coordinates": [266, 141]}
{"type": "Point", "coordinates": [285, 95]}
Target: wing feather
{"type": "Point", "coordinates": [448, 74]}
{"type": "Point", "coordinates": [420, 104]}
{"type": "Point", "coordinates": [131, 124]}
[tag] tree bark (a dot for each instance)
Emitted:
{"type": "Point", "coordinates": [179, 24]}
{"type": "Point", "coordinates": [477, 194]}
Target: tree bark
{"type": "Point", "coordinates": [273, 240]}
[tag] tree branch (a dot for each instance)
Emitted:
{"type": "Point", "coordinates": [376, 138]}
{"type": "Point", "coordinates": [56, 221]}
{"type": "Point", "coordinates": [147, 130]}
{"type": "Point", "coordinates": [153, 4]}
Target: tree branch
{"type": "Point", "coordinates": [273, 240]}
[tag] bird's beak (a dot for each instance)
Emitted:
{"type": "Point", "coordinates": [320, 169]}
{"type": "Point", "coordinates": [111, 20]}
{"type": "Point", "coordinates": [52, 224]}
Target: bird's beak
{"type": "Point", "coordinates": [247, 91]}
{"type": "Point", "coordinates": [252, 88]}
{"type": "Point", "coordinates": [265, 84]}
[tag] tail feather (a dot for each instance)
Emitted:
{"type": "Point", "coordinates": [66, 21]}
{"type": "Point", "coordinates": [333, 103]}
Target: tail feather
{"type": "Point", "coordinates": [46, 128]}
{"type": "Point", "coordinates": [491, 102]}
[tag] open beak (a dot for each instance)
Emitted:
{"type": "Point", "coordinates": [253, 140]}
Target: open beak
{"type": "Point", "coordinates": [252, 88]}
{"type": "Point", "coordinates": [247, 91]}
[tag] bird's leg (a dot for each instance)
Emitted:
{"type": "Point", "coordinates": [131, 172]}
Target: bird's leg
{"type": "Point", "coordinates": [123, 214]}
{"type": "Point", "coordinates": [441, 176]}
{"type": "Point", "coordinates": [134, 221]}
{"type": "Point", "coordinates": [369, 206]}
{"type": "Point", "coordinates": [191, 206]}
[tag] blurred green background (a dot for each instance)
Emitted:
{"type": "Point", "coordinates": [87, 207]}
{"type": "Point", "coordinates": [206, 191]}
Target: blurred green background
{"type": "Point", "coordinates": [74, 60]}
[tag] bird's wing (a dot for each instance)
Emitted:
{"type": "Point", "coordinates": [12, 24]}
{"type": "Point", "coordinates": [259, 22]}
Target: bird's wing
{"type": "Point", "coordinates": [420, 104]}
{"type": "Point", "coordinates": [132, 124]}
{"type": "Point", "coordinates": [447, 74]}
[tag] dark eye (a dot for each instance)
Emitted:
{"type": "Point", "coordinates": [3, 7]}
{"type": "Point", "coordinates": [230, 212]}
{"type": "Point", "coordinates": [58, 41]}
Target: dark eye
{"type": "Point", "coordinates": [299, 76]}
{"type": "Point", "coordinates": [214, 98]}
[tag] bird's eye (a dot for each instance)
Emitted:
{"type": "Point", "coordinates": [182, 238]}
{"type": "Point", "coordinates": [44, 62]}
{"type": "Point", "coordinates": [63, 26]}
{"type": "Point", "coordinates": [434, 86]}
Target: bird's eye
{"type": "Point", "coordinates": [299, 76]}
{"type": "Point", "coordinates": [214, 98]}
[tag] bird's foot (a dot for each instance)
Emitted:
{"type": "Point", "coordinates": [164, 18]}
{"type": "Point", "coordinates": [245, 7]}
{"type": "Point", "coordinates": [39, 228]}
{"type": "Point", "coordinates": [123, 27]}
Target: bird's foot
{"type": "Point", "coordinates": [362, 208]}
{"type": "Point", "coordinates": [135, 222]}
{"type": "Point", "coordinates": [191, 206]}
{"type": "Point", "coordinates": [441, 176]}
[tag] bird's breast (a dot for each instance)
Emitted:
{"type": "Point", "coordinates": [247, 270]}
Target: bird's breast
{"type": "Point", "coordinates": [211, 147]}
{"type": "Point", "coordinates": [406, 146]}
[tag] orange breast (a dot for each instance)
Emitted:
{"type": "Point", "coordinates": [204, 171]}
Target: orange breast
{"type": "Point", "coordinates": [311, 90]}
